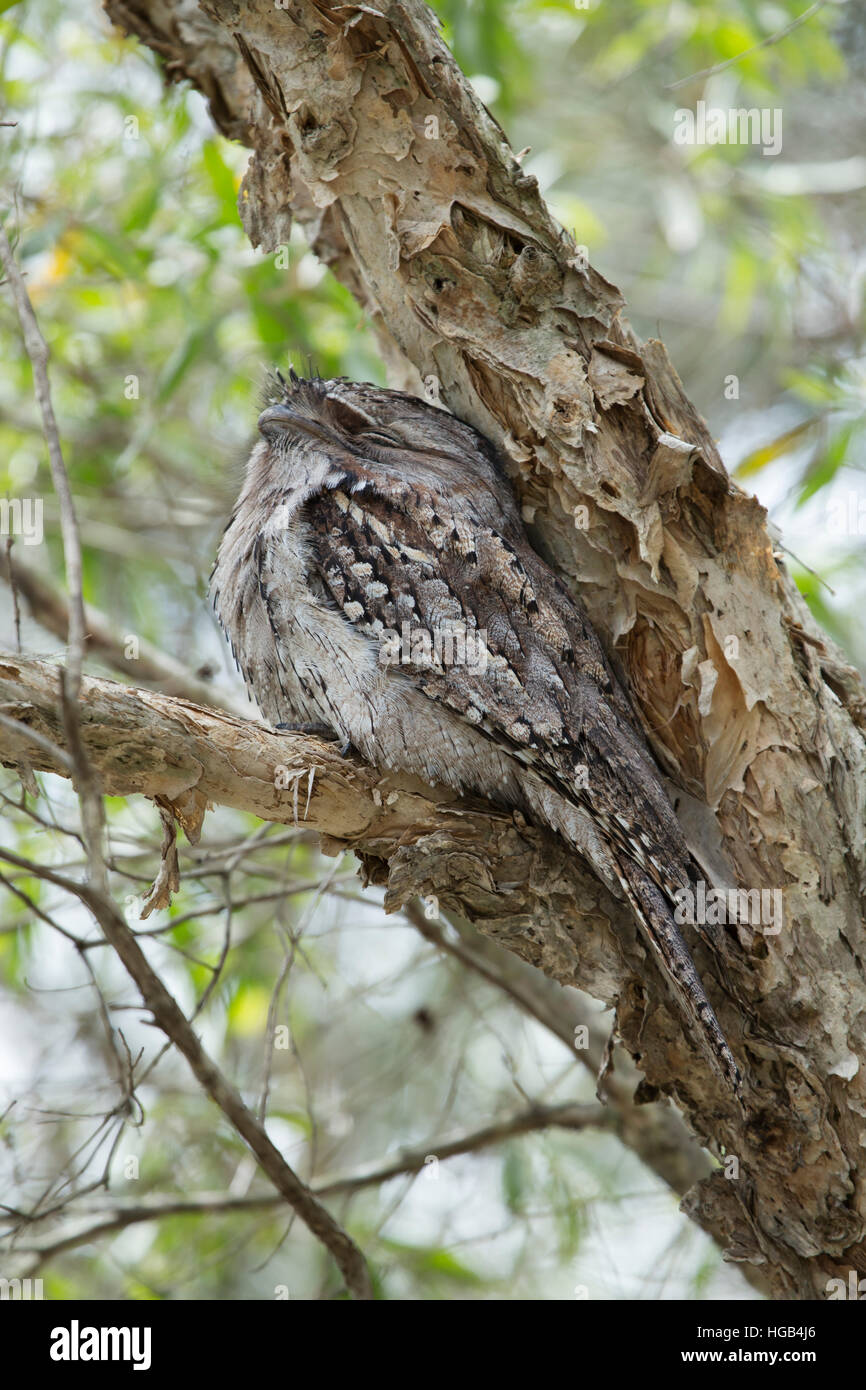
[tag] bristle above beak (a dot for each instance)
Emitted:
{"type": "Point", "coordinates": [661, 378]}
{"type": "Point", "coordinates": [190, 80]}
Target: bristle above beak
{"type": "Point", "coordinates": [278, 419]}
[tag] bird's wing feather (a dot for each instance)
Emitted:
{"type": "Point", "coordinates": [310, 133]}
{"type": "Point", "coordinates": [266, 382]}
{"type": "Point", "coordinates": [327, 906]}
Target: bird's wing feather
{"type": "Point", "coordinates": [546, 689]}
{"type": "Point", "coordinates": [534, 675]}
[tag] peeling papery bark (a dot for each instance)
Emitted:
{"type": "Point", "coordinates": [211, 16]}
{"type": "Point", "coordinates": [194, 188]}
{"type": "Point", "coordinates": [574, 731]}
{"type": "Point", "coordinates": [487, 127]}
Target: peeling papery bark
{"type": "Point", "coordinates": [364, 131]}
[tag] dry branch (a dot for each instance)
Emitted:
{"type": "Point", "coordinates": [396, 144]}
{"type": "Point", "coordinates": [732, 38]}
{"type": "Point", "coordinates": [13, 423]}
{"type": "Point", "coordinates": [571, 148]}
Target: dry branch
{"type": "Point", "coordinates": [49, 607]}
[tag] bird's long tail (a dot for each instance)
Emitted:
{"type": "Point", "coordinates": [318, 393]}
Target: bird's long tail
{"type": "Point", "coordinates": [663, 936]}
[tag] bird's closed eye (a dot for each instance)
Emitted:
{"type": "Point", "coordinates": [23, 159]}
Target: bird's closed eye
{"type": "Point", "coordinates": [380, 437]}
{"type": "Point", "coordinates": [359, 426]}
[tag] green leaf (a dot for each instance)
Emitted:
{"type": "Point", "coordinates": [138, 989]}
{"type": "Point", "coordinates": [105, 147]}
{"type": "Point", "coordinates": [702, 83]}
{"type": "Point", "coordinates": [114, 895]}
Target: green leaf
{"type": "Point", "coordinates": [444, 1263]}
{"type": "Point", "coordinates": [824, 469]}
{"type": "Point", "coordinates": [766, 453]}
{"type": "Point", "coordinates": [221, 177]}
{"type": "Point", "coordinates": [513, 1178]}
{"type": "Point", "coordinates": [811, 388]}
{"type": "Point", "coordinates": [180, 361]}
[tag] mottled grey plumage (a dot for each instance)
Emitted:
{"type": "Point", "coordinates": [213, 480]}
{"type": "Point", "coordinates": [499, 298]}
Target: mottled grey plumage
{"type": "Point", "coordinates": [364, 510]}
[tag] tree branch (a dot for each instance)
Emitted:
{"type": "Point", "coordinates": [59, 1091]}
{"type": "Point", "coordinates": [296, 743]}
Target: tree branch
{"type": "Point", "coordinates": [50, 608]}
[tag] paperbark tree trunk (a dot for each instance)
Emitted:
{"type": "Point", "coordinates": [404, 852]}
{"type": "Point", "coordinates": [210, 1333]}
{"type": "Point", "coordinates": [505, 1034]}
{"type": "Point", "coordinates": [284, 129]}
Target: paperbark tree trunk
{"type": "Point", "coordinates": [364, 131]}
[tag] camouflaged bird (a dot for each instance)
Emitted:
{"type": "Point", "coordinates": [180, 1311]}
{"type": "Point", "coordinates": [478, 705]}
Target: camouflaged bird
{"type": "Point", "coordinates": [368, 517]}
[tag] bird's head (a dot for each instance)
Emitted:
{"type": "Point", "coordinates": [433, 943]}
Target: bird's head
{"type": "Point", "coordinates": [388, 428]}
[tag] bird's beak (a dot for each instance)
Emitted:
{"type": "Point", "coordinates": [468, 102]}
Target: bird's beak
{"type": "Point", "coordinates": [281, 417]}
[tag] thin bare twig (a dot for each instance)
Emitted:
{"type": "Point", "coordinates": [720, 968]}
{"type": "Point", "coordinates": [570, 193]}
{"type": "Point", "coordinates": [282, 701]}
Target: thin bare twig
{"type": "Point", "coordinates": [46, 745]}
{"type": "Point", "coordinates": [409, 1163]}
{"type": "Point", "coordinates": [173, 1022]}
{"type": "Point", "coordinates": [92, 810]}
{"type": "Point", "coordinates": [10, 579]}
{"type": "Point", "coordinates": [764, 43]}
